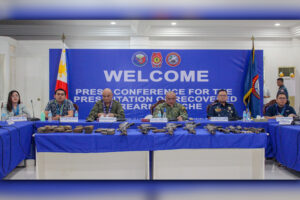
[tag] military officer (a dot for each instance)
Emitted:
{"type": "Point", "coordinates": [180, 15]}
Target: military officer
{"type": "Point", "coordinates": [221, 108]}
{"type": "Point", "coordinates": [106, 107]}
{"type": "Point", "coordinates": [174, 111]}
{"type": "Point", "coordinates": [280, 108]}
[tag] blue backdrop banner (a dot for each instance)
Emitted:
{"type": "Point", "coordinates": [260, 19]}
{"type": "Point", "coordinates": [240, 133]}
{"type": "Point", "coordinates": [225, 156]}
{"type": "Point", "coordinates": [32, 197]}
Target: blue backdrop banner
{"type": "Point", "coordinates": [140, 77]}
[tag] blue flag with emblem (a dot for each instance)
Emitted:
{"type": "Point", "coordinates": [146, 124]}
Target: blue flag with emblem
{"type": "Point", "coordinates": [251, 88]}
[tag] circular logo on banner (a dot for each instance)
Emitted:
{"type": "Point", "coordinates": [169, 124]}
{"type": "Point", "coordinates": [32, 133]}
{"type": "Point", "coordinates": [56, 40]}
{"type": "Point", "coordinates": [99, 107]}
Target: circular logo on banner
{"type": "Point", "coordinates": [139, 59]}
{"type": "Point", "coordinates": [173, 59]}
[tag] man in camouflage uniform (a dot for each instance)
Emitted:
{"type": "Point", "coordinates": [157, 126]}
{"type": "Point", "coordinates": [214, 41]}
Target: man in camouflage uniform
{"type": "Point", "coordinates": [174, 111]}
{"type": "Point", "coordinates": [222, 108]}
{"type": "Point", "coordinates": [106, 107]}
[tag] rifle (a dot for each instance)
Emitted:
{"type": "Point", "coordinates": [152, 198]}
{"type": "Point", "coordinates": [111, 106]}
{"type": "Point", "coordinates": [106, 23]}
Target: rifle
{"type": "Point", "coordinates": [191, 126]}
{"type": "Point", "coordinates": [169, 129]}
{"type": "Point", "coordinates": [105, 131]}
{"type": "Point", "coordinates": [123, 127]}
{"type": "Point", "coordinates": [145, 128]}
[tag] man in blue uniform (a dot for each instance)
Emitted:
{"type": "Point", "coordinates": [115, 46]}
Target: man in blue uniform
{"type": "Point", "coordinates": [282, 88]}
{"type": "Point", "coordinates": [280, 108]}
{"type": "Point", "coordinates": [221, 108]}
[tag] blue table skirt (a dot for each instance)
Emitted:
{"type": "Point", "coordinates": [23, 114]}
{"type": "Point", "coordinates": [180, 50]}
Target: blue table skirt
{"type": "Point", "coordinates": [136, 141]}
{"type": "Point", "coordinates": [163, 137]}
{"type": "Point", "coordinates": [15, 145]}
{"type": "Point", "coordinates": [286, 143]}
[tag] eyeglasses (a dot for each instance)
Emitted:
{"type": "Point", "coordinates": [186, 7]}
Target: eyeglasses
{"type": "Point", "coordinates": [60, 94]}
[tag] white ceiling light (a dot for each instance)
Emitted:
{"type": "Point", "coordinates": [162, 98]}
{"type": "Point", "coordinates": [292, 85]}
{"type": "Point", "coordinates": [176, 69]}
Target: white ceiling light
{"type": "Point", "coordinates": [276, 24]}
{"type": "Point", "coordinates": [173, 23]}
{"type": "Point", "coordinates": [113, 23]}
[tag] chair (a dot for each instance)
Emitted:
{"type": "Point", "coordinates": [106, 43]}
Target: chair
{"type": "Point", "coordinates": [76, 108]}
{"type": "Point", "coordinates": [271, 103]}
{"type": "Point", "coordinates": [209, 106]}
{"type": "Point", "coordinates": [152, 108]}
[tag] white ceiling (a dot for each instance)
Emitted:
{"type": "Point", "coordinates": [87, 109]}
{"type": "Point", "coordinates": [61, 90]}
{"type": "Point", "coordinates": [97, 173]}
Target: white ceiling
{"type": "Point", "coordinates": [97, 29]}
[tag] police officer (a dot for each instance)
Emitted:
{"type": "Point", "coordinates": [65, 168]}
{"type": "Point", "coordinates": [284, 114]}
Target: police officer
{"type": "Point", "coordinates": [280, 108]}
{"type": "Point", "coordinates": [106, 107]}
{"type": "Point", "coordinates": [282, 88]}
{"type": "Point", "coordinates": [221, 108]}
{"type": "Point", "coordinates": [174, 111]}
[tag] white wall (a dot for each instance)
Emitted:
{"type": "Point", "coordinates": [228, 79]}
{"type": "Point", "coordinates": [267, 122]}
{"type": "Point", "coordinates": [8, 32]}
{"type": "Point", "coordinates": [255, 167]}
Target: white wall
{"type": "Point", "coordinates": [7, 52]}
{"type": "Point", "coordinates": [31, 75]}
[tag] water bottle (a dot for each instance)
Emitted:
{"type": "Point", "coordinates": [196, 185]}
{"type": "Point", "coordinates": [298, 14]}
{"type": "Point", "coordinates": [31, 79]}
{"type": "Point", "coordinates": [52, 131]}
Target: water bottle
{"type": "Point", "coordinates": [165, 113]}
{"type": "Point", "coordinates": [43, 118]}
{"type": "Point", "coordinates": [244, 116]}
{"type": "Point", "coordinates": [3, 116]}
{"type": "Point", "coordinates": [76, 114]}
{"type": "Point", "coordinates": [248, 117]}
{"type": "Point", "coordinates": [50, 116]}
{"type": "Point", "coordinates": [159, 115]}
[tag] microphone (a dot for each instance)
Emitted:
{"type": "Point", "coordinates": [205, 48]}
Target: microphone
{"type": "Point", "coordinates": [33, 117]}
{"type": "Point", "coordinates": [32, 108]}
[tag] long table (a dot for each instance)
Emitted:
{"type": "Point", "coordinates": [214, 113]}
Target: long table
{"type": "Point", "coordinates": [15, 145]}
{"type": "Point", "coordinates": [285, 141]}
{"type": "Point", "coordinates": [282, 143]}
{"type": "Point", "coordinates": [145, 154]}
{"type": "Point", "coordinates": [268, 149]}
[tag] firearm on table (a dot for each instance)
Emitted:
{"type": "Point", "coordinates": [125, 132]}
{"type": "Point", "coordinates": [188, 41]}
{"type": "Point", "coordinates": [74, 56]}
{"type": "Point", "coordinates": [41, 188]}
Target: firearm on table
{"type": "Point", "coordinates": [296, 120]}
{"type": "Point", "coordinates": [123, 127]}
{"type": "Point", "coordinates": [169, 129]}
{"type": "Point", "coordinates": [105, 131]}
{"type": "Point", "coordinates": [254, 130]}
{"type": "Point", "coordinates": [191, 127]}
{"type": "Point", "coordinates": [237, 129]}
{"type": "Point", "coordinates": [212, 129]}
{"type": "Point", "coordinates": [233, 129]}
{"type": "Point", "coordinates": [145, 128]}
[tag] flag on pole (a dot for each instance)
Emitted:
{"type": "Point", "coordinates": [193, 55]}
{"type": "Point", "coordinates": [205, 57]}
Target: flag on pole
{"type": "Point", "coordinates": [251, 88]}
{"type": "Point", "coordinates": [62, 75]}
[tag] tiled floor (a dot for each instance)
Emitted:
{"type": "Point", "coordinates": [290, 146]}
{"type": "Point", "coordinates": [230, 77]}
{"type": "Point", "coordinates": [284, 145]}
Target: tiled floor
{"type": "Point", "coordinates": [272, 172]}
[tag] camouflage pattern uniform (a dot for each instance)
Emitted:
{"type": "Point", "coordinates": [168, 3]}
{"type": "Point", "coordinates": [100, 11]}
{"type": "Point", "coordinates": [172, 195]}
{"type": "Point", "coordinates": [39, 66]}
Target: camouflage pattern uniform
{"type": "Point", "coordinates": [116, 109]}
{"type": "Point", "coordinates": [172, 112]}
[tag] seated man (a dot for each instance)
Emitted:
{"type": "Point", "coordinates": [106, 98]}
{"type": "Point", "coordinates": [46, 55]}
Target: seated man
{"type": "Point", "coordinates": [59, 106]}
{"type": "Point", "coordinates": [106, 107]}
{"type": "Point", "coordinates": [280, 108]}
{"type": "Point", "coordinates": [174, 111]}
{"type": "Point", "coordinates": [221, 108]}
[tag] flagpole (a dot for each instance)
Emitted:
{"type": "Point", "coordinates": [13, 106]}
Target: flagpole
{"type": "Point", "coordinates": [63, 37]}
{"type": "Point", "coordinates": [253, 49]}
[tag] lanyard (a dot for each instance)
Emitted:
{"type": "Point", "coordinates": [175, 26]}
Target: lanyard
{"type": "Point", "coordinates": [104, 108]}
{"type": "Point", "coordinates": [59, 111]}
{"type": "Point", "coordinates": [17, 111]}
{"type": "Point", "coordinates": [282, 112]}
